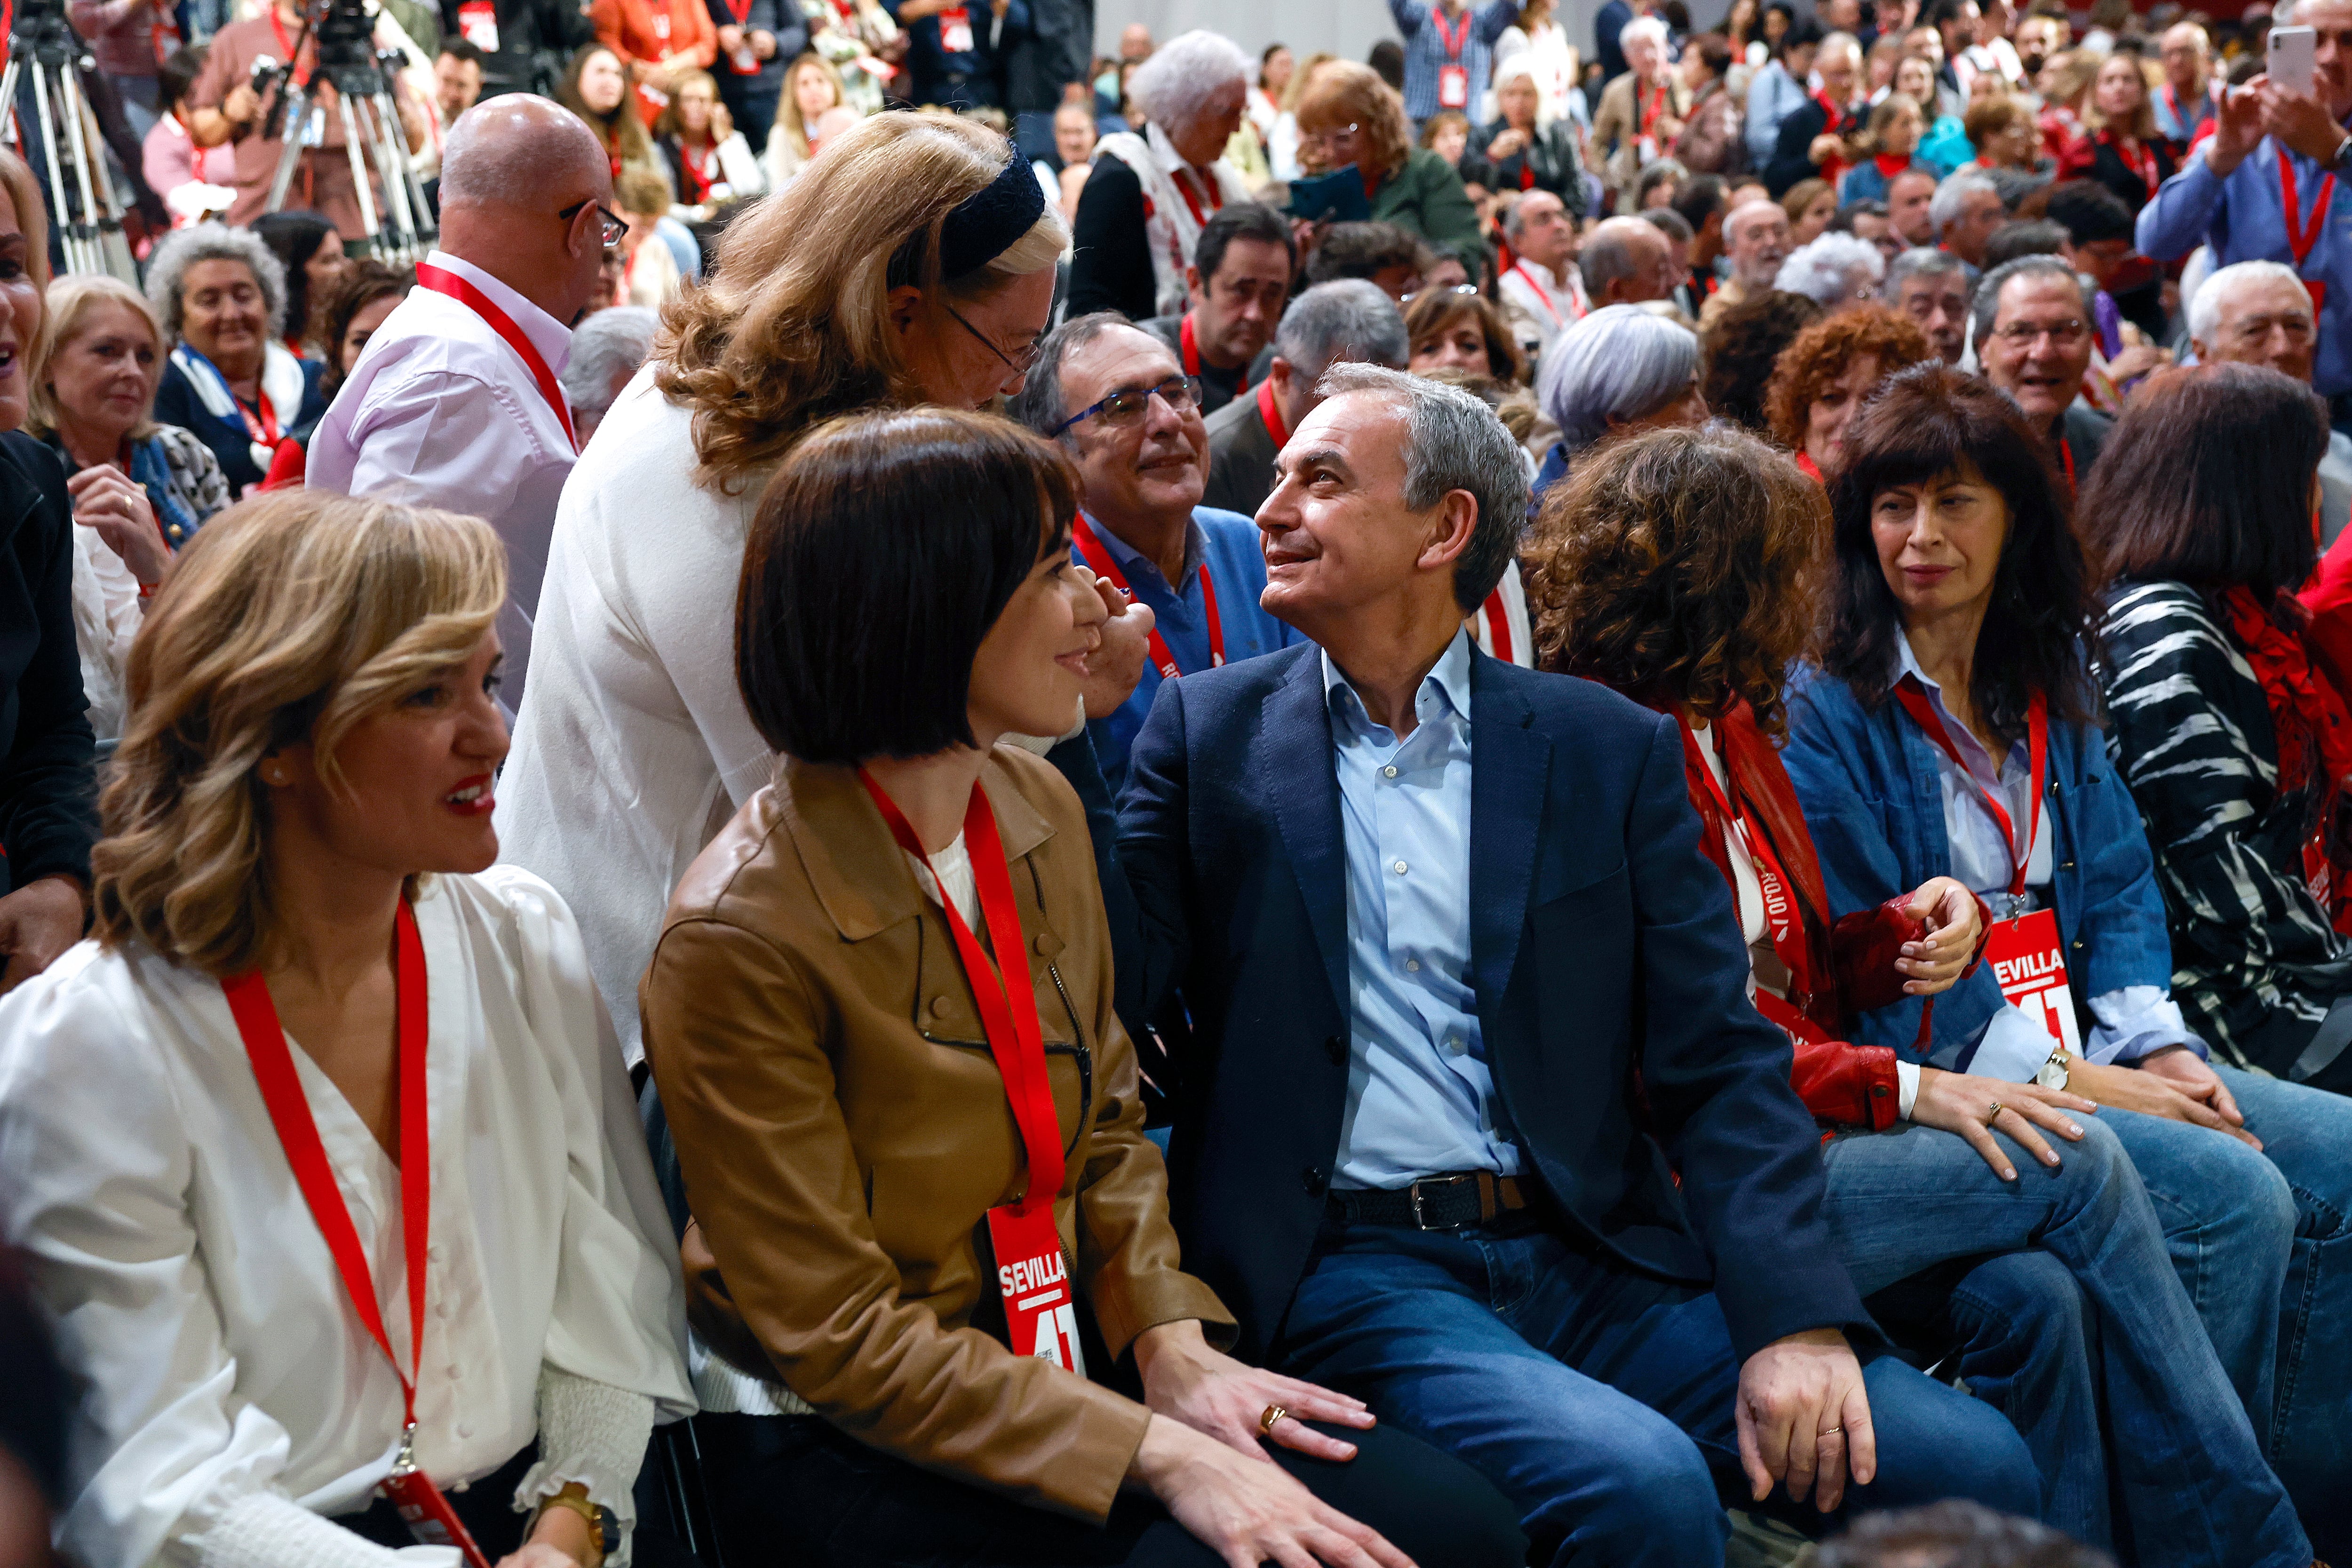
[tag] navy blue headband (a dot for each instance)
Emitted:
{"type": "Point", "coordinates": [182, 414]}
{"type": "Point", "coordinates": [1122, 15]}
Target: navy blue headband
{"type": "Point", "coordinates": [986, 224]}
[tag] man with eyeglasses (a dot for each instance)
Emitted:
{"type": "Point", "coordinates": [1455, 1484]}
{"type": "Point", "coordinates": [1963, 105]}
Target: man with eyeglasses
{"type": "Point", "coordinates": [1541, 291]}
{"type": "Point", "coordinates": [2258, 312]}
{"type": "Point", "coordinates": [456, 402]}
{"type": "Point", "coordinates": [1120, 404]}
{"type": "Point", "coordinates": [2033, 339]}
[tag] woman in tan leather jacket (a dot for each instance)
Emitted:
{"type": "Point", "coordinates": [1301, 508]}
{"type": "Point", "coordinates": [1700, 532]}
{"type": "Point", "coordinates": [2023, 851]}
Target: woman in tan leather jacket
{"type": "Point", "coordinates": [827, 1037]}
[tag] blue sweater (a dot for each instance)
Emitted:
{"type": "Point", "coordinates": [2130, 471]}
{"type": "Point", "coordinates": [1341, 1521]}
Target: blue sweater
{"type": "Point", "coordinates": [1868, 785]}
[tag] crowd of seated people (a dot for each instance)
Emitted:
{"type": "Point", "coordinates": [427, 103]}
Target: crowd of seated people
{"type": "Point", "coordinates": [953, 804]}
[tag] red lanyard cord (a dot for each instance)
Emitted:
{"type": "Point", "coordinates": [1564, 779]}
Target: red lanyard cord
{"type": "Point", "coordinates": [1773, 886]}
{"type": "Point", "coordinates": [1082, 534]}
{"type": "Point", "coordinates": [1008, 1011]}
{"type": "Point", "coordinates": [1271, 412]}
{"type": "Point", "coordinates": [298, 1132]}
{"type": "Point", "coordinates": [1455, 42]}
{"type": "Point", "coordinates": [441, 281]}
{"type": "Point", "coordinates": [1914, 698]}
{"type": "Point", "coordinates": [1189, 344]}
{"type": "Point", "coordinates": [2302, 237]}
{"type": "Point", "coordinates": [1543, 296]}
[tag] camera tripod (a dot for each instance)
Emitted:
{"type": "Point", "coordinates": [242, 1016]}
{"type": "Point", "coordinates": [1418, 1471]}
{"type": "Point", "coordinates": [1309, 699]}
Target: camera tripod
{"type": "Point", "coordinates": [88, 214]}
{"type": "Point", "coordinates": [403, 230]}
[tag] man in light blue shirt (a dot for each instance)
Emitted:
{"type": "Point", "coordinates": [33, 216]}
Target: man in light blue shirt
{"type": "Point", "coordinates": [1117, 399]}
{"type": "Point", "coordinates": [1779, 89]}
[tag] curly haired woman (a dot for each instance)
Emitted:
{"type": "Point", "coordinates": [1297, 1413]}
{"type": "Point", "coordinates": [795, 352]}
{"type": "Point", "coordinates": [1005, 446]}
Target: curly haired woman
{"type": "Point", "coordinates": [1826, 372]}
{"type": "Point", "coordinates": [1682, 568]}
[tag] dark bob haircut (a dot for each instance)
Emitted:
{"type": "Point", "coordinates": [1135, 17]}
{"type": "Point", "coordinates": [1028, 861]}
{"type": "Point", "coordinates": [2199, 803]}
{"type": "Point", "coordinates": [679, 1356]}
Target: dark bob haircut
{"type": "Point", "coordinates": [880, 554]}
{"type": "Point", "coordinates": [1931, 420]}
{"type": "Point", "coordinates": [2210, 483]}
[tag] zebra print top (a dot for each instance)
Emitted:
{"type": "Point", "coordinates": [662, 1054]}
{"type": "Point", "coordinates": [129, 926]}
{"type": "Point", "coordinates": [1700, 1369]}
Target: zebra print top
{"type": "Point", "coordinates": [2190, 728]}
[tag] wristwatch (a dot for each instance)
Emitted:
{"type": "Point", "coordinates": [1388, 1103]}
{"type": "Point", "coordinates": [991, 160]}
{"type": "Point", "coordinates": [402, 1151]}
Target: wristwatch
{"type": "Point", "coordinates": [2053, 1072]}
{"type": "Point", "coordinates": [603, 1528]}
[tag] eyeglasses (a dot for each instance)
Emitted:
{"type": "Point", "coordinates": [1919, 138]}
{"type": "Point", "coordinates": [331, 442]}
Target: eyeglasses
{"type": "Point", "coordinates": [1180, 393]}
{"type": "Point", "coordinates": [616, 229]}
{"type": "Point", "coordinates": [1449, 289]}
{"type": "Point", "coordinates": [2025, 334]}
{"type": "Point", "coordinates": [1325, 138]}
{"type": "Point", "coordinates": [1017, 366]}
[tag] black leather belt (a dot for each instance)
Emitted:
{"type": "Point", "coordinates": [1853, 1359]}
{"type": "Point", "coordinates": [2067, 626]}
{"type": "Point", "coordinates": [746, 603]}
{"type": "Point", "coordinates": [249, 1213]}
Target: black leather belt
{"type": "Point", "coordinates": [1438, 1203]}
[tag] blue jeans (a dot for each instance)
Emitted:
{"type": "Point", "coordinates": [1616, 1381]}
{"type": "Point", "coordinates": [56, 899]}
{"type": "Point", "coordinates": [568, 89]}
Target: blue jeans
{"type": "Point", "coordinates": [1598, 1400]}
{"type": "Point", "coordinates": [2080, 1330]}
{"type": "Point", "coordinates": [2279, 1314]}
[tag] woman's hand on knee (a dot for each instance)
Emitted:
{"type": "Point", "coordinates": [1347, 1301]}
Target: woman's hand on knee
{"type": "Point", "coordinates": [1247, 1511]}
{"type": "Point", "coordinates": [1185, 1380]}
{"type": "Point", "coordinates": [2150, 1093]}
{"type": "Point", "coordinates": [1972, 1107]}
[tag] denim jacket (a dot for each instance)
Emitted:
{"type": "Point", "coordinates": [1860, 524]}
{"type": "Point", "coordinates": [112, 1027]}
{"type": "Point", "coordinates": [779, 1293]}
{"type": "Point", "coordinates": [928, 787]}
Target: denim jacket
{"type": "Point", "coordinates": [1867, 781]}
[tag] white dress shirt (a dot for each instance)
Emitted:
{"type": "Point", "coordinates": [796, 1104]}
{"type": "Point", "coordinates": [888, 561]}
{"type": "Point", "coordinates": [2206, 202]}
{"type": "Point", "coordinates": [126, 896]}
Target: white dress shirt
{"type": "Point", "coordinates": [1537, 304]}
{"type": "Point", "coordinates": [224, 1370]}
{"type": "Point", "coordinates": [442, 412]}
{"type": "Point", "coordinates": [633, 747]}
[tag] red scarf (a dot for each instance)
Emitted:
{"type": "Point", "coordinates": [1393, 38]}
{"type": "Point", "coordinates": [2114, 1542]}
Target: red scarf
{"type": "Point", "coordinates": [1892, 163]}
{"type": "Point", "coordinates": [2306, 711]}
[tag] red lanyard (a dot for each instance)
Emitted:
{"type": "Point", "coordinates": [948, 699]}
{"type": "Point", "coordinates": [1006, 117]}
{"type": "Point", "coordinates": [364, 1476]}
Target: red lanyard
{"type": "Point", "coordinates": [1190, 346]}
{"type": "Point", "coordinates": [1543, 295]}
{"type": "Point", "coordinates": [2067, 456]}
{"type": "Point", "coordinates": [1271, 412]}
{"type": "Point", "coordinates": [1498, 626]}
{"type": "Point", "coordinates": [1184, 189]}
{"type": "Point", "coordinates": [286, 49]}
{"type": "Point", "coordinates": [1649, 117]}
{"type": "Point", "coordinates": [698, 171]}
{"type": "Point", "coordinates": [441, 281]}
{"type": "Point", "coordinates": [1812, 470]}
{"type": "Point", "coordinates": [1914, 698]}
{"type": "Point", "coordinates": [298, 1132]}
{"type": "Point", "coordinates": [1781, 925]}
{"type": "Point", "coordinates": [2301, 236]}
{"type": "Point", "coordinates": [2143, 166]}
{"type": "Point", "coordinates": [740, 11]}
{"type": "Point", "coordinates": [1008, 1011]}
{"type": "Point", "coordinates": [261, 422]}
{"type": "Point", "coordinates": [1454, 44]}
{"type": "Point", "coordinates": [1082, 534]}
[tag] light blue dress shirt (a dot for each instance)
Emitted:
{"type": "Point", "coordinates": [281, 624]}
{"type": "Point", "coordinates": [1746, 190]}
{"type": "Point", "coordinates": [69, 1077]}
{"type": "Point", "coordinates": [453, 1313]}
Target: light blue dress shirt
{"type": "Point", "coordinates": [1420, 1095]}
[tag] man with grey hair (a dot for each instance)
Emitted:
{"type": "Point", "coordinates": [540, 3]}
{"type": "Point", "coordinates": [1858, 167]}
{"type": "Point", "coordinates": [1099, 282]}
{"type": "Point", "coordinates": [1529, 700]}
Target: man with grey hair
{"type": "Point", "coordinates": [2259, 312]}
{"type": "Point", "coordinates": [1756, 240]}
{"type": "Point", "coordinates": [1120, 404]}
{"type": "Point", "coordinates": [1349, 318]}
{"type": "Point", "coordinates": [1625, 261]}
{"type": "Point", "coordinates": [2032, 327]}
{"type": "Point", "coordinates": [1931, 287]}
{"type": "Point", "coordinates": [1431, 914]}
{"type": "Point", "coordinates": [1541, 292]}
{"type": "Point", "coordinates": [1141, 211]}
{"type": "Point", "coordinates": [456, 402]}
{"type": "Point", "coordinates": [1965, 209]}
{"type": "Point", "coordinates": [608, 347]}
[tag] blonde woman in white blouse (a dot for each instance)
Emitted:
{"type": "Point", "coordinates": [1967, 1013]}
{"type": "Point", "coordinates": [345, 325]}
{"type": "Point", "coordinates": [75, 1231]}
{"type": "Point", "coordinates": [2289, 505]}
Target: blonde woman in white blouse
{"type": "Point", "coordinates": [303, 791]}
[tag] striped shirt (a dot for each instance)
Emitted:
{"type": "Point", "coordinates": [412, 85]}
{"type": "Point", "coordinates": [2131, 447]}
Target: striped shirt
{"type": "Point", "coordinates": [1425, 53]}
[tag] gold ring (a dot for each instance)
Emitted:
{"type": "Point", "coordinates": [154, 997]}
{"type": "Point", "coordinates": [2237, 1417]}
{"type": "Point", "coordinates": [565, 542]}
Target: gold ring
{"type": "Point", "coordinates": [1274, 1412]}
{"type": "Point", "coordinates": [1829, 1431]}
{"type": "Point", "coordinates": [1994, 1114]}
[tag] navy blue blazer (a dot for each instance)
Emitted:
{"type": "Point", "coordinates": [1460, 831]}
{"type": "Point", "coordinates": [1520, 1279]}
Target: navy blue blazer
{"type": "Point", "coordinates": [1605, 954]}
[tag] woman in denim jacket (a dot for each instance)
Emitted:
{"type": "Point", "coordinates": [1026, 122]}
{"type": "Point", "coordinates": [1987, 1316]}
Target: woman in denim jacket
{"type": "Point", "coordinates": [1953, 550]}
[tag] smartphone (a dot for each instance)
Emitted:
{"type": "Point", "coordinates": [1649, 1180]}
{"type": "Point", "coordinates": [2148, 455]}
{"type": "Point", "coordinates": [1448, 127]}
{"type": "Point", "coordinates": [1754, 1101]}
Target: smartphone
{"type": "Point", "coordinates": [2292, 49]}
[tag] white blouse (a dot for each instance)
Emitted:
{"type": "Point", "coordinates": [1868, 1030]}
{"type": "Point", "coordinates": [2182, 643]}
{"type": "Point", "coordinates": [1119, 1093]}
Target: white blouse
{"type": "Point", "coordinates": [193, 1294]}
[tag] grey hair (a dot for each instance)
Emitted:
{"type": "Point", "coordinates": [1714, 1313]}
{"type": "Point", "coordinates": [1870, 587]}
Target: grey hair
{"type": "Point", "coordinates": [183, 247]}
{"type": "Point", "coordinates": [1846, 41]}
{"type": "Point", "coordinates": [1987, 303]}
{"type": "Point", "coordinates": [1514, 220]}
{"type": "Point", "coordinates": [1642, 27]}
{"type": "Point", "coordinates": [2205, 305]}
{"type": "Point", "coordinates": [512, 149]}
{"type": "Point", "coordinates": [603, 347]}
{"type": "Point", "coordinates": [1345, 320]}
{"type": "Point", "coordinates": [1943, 207]}
{"type": "Point", "coordinates": [1923, 262]}
{"type": "Point", "coordinates": [1176, 83]}
{"type": "Point", "coordinates": [1453, 442]}
{"type": "Point", "coordinates": [1619, 362]}
{"type": "Point", "coordinates": [1819, 270]}
{"type": "Point", "coordinates": [1038, 404]}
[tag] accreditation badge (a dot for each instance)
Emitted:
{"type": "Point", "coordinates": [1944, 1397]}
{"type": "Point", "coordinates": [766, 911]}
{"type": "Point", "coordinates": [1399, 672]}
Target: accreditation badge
{"type": "Point", "coordinates": [1041, 1318]}
{"type": "Point", "coordinates": [2029, 963]}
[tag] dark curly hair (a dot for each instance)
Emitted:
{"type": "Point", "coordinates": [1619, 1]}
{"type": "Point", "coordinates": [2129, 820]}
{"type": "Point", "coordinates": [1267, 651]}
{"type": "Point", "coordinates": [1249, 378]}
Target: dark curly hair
{"type": "Point", "coordinates": [1678, 566]}
{"type": "Point", "coordinates": [1812, 364]}
{"type": "Point", "coordinates": [1743, 345]}
{"type": "Point", "coordinates": [2040, 632]}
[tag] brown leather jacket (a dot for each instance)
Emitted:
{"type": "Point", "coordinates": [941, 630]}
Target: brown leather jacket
{"type": "Point", "coordinates": [843, 1130]}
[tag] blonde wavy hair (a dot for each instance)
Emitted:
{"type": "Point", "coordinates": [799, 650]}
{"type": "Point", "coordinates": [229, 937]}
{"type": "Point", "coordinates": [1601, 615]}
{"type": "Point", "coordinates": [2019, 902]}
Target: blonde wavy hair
{"type": "Point", "coordinates": [68, 301]}
{"type": "Point", "coordinates": [292, 616]}
{"type": "Point", "coordinates": [793, 325]}
{"type": "Point", "coordinates": [1345, 93]}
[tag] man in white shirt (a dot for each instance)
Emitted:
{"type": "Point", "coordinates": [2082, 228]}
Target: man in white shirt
{"type": "Point", "coordinates": [456, 402]}
{"type": "Point", "coordinates": [1756, 240]}
{"type": "Point", "coordinates": [1541, 291]}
